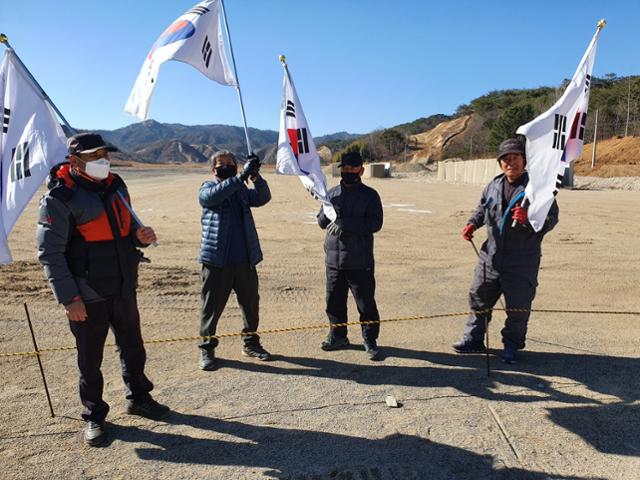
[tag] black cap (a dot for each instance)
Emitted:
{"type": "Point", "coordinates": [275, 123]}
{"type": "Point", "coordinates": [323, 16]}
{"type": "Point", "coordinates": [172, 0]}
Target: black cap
{"type": "Point", "coordinates": [511, 145]}
{"type": "Point", "coordinates": [88, 143]}
{"type": "Point", "coordinates": [351, 159]}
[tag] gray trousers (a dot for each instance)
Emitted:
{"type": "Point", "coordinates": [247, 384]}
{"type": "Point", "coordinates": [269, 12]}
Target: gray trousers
{"type": "Point", "coordinates": [217, 284]}
{"type": "Point", "coordinates": [518, 285]}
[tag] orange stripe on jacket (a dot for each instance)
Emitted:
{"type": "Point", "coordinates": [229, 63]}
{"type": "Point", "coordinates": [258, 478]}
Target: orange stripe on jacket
{"type": "Point", "coordinates": [99, 229]}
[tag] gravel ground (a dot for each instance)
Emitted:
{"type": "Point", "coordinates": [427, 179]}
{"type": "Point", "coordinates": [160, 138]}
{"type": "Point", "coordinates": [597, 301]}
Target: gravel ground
{"type": "Point", "coordinates": [569, 410]}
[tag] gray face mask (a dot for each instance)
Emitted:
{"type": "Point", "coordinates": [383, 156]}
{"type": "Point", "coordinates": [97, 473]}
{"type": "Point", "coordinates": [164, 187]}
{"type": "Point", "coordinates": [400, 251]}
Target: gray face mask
{"type": "Point", "coordinates": [98, 169]}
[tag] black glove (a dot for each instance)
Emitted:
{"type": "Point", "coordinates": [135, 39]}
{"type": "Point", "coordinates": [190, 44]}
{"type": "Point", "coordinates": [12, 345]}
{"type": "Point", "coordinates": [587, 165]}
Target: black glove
{"type": "Point", "coordinates": [251, 168]}
{"type": "Point", "coordinates": [334, 229]}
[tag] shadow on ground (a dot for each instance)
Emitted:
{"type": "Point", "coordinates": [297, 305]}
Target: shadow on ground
{"type": "Point", "coordinates": [614, 376]}
{"type": "Point", "coordinates": [610, 428]}
{"type": "Point", "coordinates": [310, 455]}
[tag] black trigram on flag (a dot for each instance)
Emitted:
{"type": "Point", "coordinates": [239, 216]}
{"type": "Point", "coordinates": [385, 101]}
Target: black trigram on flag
{"type": "Point", "coordinates": [577, 127]}
{"type": "Point", "coordinates": [206, 51]}
{"type": "Point", "coordinates": [291, 109]}
{"type": "Point", "coordinates": [587, 83]}
{"type": "Point", "coordinates": [303, 143]}
{"type": "Point", "coordinates": [312, 192]}
{"type": "Point", "coordinates": [558, 184]}
{"type": "Point", "coordinates": [560, 128]}
{"type": "Point", "coordinates": [20, 162]}
{"type": "Point", "coordinates": [5, 120]}
{"type": "Point", "coordinates": [197, 11]}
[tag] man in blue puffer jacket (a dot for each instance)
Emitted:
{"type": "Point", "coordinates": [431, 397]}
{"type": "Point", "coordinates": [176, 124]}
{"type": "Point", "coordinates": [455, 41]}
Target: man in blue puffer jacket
{"type": "Point", "coordinates": [230, 251]}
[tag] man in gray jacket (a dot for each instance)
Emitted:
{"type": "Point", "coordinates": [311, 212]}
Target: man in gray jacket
{"type": "Point", "coordinates": [230, 251]}
{"type": "Point", "coordinates": [509, 259]}
{"type": "Point", "coordinates": [87, 242]}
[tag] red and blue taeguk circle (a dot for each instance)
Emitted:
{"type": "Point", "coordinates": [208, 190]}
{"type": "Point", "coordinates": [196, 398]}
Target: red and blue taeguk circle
{"type": "Point", "coordinates": [179, 30]}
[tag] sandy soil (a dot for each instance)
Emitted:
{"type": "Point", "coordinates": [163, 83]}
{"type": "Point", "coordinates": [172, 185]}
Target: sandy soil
{"type": "Point", "coordinates": [569, 410]}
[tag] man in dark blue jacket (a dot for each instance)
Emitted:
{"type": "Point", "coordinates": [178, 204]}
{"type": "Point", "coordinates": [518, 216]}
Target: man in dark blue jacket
{"type": "Point", "coordinates": [509, 259]}
{"type": "Point", "coordinates": [349, 259]}
{"type": "Point", "coordinates": [230, 251]}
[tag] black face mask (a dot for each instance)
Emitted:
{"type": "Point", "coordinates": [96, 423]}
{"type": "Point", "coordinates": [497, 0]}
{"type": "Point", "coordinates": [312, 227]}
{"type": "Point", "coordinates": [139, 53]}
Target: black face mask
{"type": "Point", "coordinates": [349, 178]}
{"type": "Point", "coordinates": [226, 171]}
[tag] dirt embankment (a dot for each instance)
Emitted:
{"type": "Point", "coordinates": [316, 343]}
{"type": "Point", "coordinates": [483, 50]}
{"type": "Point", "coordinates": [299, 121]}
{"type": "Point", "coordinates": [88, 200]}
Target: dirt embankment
{"type": "Point", "coordinates": [615, 157]}
{"type": "Point", "coordinates": [430, 145]}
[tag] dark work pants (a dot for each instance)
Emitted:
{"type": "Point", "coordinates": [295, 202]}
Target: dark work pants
{"type": "Point", "coordinates": [518, 284]}
{"type": "Point", "coordinates": [121, 315]}
{"type": "Point", "coordinates": [217, 284]}
{"type": "Point", "coordinates": [362, 284]}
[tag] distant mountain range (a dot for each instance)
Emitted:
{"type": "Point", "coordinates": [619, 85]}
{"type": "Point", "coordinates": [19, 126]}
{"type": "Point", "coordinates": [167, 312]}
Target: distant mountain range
{"type": "Point", "coordinates": [155, 142]}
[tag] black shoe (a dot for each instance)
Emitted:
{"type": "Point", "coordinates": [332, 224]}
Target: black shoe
{"type": "Point", "coordinates": [93, 433]}
{"type": "Point", "coordinates": [372, 350]}
{"type": "Point", "coordinates": [207, 360]}
{"type": "Point", "coordinates": [334, 343]}
{"type": "Point", "coordinates": [149, 409]}
{"type": "Point", "coordinates": [469, 346]}
{"type": "Point", "coordinates": [509, 356]}
{"type": "Point", "coordinates": [257, 352]}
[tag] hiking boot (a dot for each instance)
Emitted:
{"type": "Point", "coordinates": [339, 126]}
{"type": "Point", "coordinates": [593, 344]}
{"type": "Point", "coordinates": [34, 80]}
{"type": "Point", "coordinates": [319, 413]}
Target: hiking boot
{"type": "Point", "coordinates": [469, 346]}
{"type": "Point", "coordinates": [257, 352]}
{"type": "Point", "coordinates": [207, 360]}
{"type": "Point", "coordinates": [372, 350]}
{"type": "Point", "coordinates": [509, 356]}
{"type": "Point", "coordinates": [149, 409]}
{"type": "Point", "coordinates": [93, 433]}
{"type": "Point", "coordinates": [334, 343]}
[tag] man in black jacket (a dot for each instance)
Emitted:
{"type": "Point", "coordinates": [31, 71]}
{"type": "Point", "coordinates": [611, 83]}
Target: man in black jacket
{"type": "Point", "coordinates": [349, 259]}
{"type": "Point", "coordinates": [509, 259]}
{"type": "Point", "coordinates": [87, 242]}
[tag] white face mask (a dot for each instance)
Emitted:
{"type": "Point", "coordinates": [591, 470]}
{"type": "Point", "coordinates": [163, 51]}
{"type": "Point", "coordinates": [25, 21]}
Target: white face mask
{"type": "Point", "coordinates": [98, 169]}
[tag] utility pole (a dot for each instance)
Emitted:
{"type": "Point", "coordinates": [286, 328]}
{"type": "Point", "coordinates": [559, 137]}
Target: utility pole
{"type": "Point", "coordinates": [471, 147]}
{"type": "Point", "coordinates": [595, 141]}
{"type": "Point", "coordinates": [626, 128]}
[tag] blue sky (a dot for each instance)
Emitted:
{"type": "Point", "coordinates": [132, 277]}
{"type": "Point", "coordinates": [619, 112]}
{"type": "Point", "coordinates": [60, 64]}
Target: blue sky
{"type": "Point", "coordinates": [357, 64]}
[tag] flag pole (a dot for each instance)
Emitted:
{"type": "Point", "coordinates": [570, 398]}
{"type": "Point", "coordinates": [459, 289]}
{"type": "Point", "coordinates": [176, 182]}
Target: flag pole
{"type": "Point", "coordinates": [283, 60]}
{"type": "Point", "coordinates": [5, 40]}
{"type": "Point", "coordinates": [235, 72]}
{"type": "Point", "coordinates": [486, 314]}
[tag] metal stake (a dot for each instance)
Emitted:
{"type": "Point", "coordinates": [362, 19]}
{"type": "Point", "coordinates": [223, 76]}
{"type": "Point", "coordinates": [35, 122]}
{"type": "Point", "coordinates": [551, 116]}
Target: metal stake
{"type": "Point", "coordinates": [37, 351]}
{"type": "Point", "coordinates": [486, 314]}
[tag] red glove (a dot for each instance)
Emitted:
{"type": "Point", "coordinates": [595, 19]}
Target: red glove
{"type": "Point", "coordinates": [467, 232]}
{"type": "Point", "coordinates": [519, 215]}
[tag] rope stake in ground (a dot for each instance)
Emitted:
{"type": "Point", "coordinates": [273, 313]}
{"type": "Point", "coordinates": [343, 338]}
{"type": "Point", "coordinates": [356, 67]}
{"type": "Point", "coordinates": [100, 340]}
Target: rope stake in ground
{"type": "Point", "coordinates": [37, 354]}
{"type": "Point", "coordinates": [324, 325]}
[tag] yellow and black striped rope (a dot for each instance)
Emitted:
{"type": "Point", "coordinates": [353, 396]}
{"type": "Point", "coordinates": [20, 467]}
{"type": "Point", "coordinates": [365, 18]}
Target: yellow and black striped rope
{"type": "Point", "coordinates": [325, 325]}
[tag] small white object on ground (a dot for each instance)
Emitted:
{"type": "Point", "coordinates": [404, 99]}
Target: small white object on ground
{"type": "Point", "coordinates": [391, 401]}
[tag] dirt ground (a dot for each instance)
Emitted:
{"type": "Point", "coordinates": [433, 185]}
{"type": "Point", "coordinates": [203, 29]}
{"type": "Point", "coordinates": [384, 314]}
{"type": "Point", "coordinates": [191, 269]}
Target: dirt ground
{"type": "Point", "coordinates": [569, 410]}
